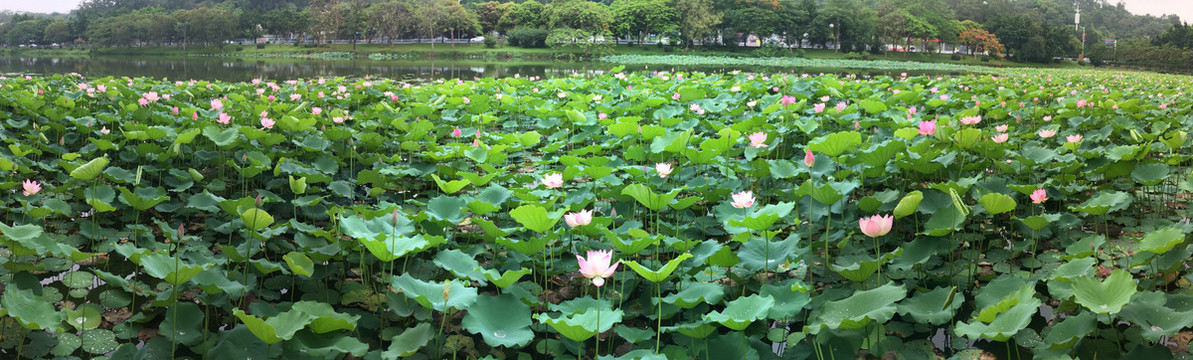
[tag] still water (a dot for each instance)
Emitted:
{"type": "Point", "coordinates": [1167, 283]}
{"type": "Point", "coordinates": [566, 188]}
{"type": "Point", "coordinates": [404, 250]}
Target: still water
{"type": "Point", "coordinates": [243, 69]}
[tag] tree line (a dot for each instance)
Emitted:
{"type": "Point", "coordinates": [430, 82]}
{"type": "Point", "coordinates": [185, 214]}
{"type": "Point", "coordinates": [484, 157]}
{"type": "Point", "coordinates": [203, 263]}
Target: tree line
{"type": "Point", "coordinates": [1028, 30]}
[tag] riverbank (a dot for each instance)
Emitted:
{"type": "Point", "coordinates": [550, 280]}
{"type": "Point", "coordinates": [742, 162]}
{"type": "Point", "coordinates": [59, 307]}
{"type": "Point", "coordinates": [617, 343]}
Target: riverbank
{"type": "Point", "coordinates": [503, 53]}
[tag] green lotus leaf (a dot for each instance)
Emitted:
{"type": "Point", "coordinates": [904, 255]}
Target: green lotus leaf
{"type": "Point", "coordinates": [1157, 314]}
{"type": "Point", "coordinates": [696, 294]}
{"type": "Point", "coordinates": [997, 203]}
{"type": "Point", "coordinates": [324, 318]}
{"type": "Point", "coordinates": [1000, 295]}
{"type": "Point", "coordinates": [1038, 222]}
{"type": "Point", "coordinates": [256, 219]}
{"type": "Point", "coordinates": [100, 197]}
{"type": "Point", "coordinates": [85, 317]}
{"type": "Point", "coordinates": [1105, 297]}
{"type": "Point", "coordinates": [299, 263]}
{"type": "Point", "coordinates": [1150, 174]}
{"type": "Point", "coordinates": [968, 137]}
{"type": "Point", "coordinates": [1004, 326]}
{"type": "Point", "coordinates": [633, 243]}
{"type": "Point", "coordinates": [298, 186]}
{"type": "Point", "coordinates": [431, 295]}
{"type": "Point", "coordinates": [835, 144]}
{"type": "Point", "coordinates": [506, 278]}
{"type": "Point", "coordinates": [501, 320]}
{"type": "Point", "coordinates": [447, 208]}
{"type": "Point", "coordinates": [789, 300]}
{"type": "Point", "coordinates": [410, 341]}
{"type": "Point", "coordinates": [1162, 240]}
{"type": "Point", "coordinates": [635, 335]}
{"type": "Point", "coordinates": [660, 275]}
{"type": "Point", "coordinates": [582, 326]}
{"type": "Point", "coordinates": [763, 218]}
{"type": "Point", "coordinates": [782, 169]}
{"type": "Point", "coordinates": [944, 221]}
{"type": "Point", "coordinates": [1104, 202]}
{"type": "Point", "coordinates": [361, 229]}
{"type": "Point", "coordinates": [759, 254]}
{"type": "Point", "coordinates": [67, 344]}
{"type": "Point", "coordinates": [324, 346]}
{"type": "Point", "coordinates": [872, 107]}
{"type": "Point", "coordinates": [275, 329]}
{"type": "Point", "coordinates": [536, 218]}
{"type": "Point", "coordinates": [142, 198]}
{"type": "Point", "coordinates": [98, 341]}
{"type": "Point", "coordinates": [1065, 334]}
{"type": "Point", "coordinates": [649, 198]}
{"type": "Point", "coordinates": [90, 170]}
{"type": "Point", "coordinates": [908, 204]}
{"type": "Point", "coordinates": [859, 268]}
{"type": "Point", "coordinates": [169, 268]}
{"type": "Point", "coordinates": [450, 187]}
{"type": "Point", "coordinates": [462, 265]}
{"type": "Point", "coordinates": [78, 279]}
{"type": "Point", "coordinates": [739, 313]}
{"type": "Point", "coordinates": [858, 310]}
{"type": "Point", "coordinates": [935, 307]}
{"type": "Point", "coordinates": [183, 322]}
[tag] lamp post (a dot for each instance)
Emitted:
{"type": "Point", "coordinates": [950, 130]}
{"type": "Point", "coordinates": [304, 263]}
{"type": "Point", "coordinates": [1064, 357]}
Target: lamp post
{"type": "Point", "coordinates": [1082, 58]}
{"type": "Point", "coordinates": [837, 38]}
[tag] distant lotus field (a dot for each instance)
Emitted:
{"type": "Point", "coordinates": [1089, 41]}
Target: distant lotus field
{"type": "Point", "coordinates": [632, 215]}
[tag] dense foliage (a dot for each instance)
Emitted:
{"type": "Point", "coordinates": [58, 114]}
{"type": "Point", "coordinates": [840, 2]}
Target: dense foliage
{"type": "Point", "coordinates": [751, 216]}
{"type": "Point", "coordinates": [1035, 30]}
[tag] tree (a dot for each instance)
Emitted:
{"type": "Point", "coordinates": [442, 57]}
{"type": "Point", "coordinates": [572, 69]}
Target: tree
{"type": "Point", "coordinates": [328, 18]}
{"type": "Point", "coordinates": [641, 17]}
{"type": "Point", "coordinates": [981, 40]}
{"type": "Point", "coordinates": [459, 22]}
{"type": "Point", "coordinates": [527, 14]}
{"type": "Point", "coordinates": [488, 15]}
{"type": "Point", "coordinates": [58, 32]}
{"type": "Point", "coordinates": [697, 19]}
{"type": "Point", "coordinates": [28, 31]}
{"type": "Point", "coordinates": [389, 19]}
{"type": "Point", "coordinates": [758, 17]}
{"type": "Point", "coordinates": [428, 17]}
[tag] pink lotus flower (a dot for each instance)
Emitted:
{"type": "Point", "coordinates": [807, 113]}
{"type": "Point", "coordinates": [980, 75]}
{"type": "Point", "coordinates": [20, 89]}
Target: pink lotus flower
{"type": "Point", "coordinates": [1001, 128]}
{"type": "Point", "coordinates": [751, 103]}
{"type": "Point", "coordinates": [971, 120]}
{"type": "Point", "coordinates": [1163, 106]}
{"type": "Point", "coordinates": [457, 132]}
{"type": "Point", "coordinates": [825, 98]}
{"type": "Point", "coordinates": [602, 116]}
{"type": "Point", "coordinates": [217, 104]}
{"type": "Point", "coordinates": [105, 130]}
{"type": "Point", "coordinates": [876, 225]}
{"type": "Point", "coordinates": [944, 97]}
{"type": "Point", "coordinates": [664, 169]}
{"type": "Point", "coordinates": [1039, 196]}
{"type": "Point", "coordinates": [596, 266]}
{"type": "Point", "coordinates": [30, 187]}
{"type": "Point", "coordinates": [102, 88]}
{"type": "Point", "coordinates": [758, 140]}
{"type": "Point", "coordinates": [1081, 103]}
{"type": "Point", "coordinates": [142, 101]}
{"type": "Point", "coordinates": [818, 108]}
{"type": "Point", "coordinates": [1000, 138]}
{"type": "Point", "coordinates": [675, 96]}
{"type": "Point", "coordinates": [267, 123]}
{"type": "Point", "coordinates": [927, 128]}
{"type": "Point", "coordinates": [224, 119]}
{"type": "Point", "coordinates": [194, 116]}
{"type": "Point", "coordinates": [1046, 133]}
{"type": "Point", "coordinates": [581, 218]}
{"type": "Point", "coordinates": [174, 110]}
{"type": "Point", "coordinates": [743, 199]}
{"type": "Point", "coordinates": [338, 119]}
{"type": "Point", "coordinates": [809, 159]}
{"type": "Point", "coordinates": [788, 100]}
{"type": "Point", "coordinates": [911, 110]}
{"type": "Point", "coordinates": [317, 110]}
{"type": "Point", "coordinates": [466, 100]}
{"type": "Point", "coordinates": [553, 180]}
{"type": "Point", "coordinates": [841, 106]}
{"type": "Point", "coordinates": [1048, 118]}
{"type": "Point", "coordinates": [1073, 139]}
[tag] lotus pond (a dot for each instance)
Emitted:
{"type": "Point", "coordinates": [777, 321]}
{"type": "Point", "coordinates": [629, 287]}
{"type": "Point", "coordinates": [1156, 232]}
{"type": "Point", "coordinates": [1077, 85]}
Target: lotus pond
{"type": "Point", "coordinates": [730, 216]}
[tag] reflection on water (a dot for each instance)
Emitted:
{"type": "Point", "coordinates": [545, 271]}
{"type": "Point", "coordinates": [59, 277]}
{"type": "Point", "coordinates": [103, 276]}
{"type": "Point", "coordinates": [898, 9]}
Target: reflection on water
{"type": "Point", "coordinates": [243, 69]}
{"type": "Point", "coordinates": [240, 69]}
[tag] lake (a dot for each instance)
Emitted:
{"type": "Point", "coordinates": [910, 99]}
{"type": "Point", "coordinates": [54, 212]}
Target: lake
{"type": "Point", "coordinates": [243, 69]}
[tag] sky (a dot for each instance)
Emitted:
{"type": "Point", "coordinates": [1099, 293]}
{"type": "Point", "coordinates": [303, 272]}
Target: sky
{"type": "Point", "coordinates": [1182, 8]}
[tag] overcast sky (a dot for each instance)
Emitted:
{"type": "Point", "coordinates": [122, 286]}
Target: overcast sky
{"type": "Point", "coordinates": [1182, 8]}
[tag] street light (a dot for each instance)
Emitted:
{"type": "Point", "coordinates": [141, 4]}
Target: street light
{"type": "Point", "coordinates": [1082, 43]}
{"type": "Point", "coordinates": [837, 38]}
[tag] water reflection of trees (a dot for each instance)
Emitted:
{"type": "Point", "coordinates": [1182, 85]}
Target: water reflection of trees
{"type": "Point", "coordinates": [241, 69]}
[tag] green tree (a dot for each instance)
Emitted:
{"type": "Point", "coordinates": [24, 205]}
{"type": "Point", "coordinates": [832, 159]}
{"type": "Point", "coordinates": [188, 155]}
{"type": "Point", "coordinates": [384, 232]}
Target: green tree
{"type": "Point", "coordinates": [390, 19]}
{"type": "Point", "coordinates": [758, 17]}
{"type": "Point", "coordinates": [489, 15]}
{"type": "Point", "coordinates": [697, 19]}
{"type": "Point", "coordinates": [527, 14]}
{"type": "Point", "coordinates": [28, 31]}
{"type": "Point", "coordinates": [641, 17]}
{"type": "Point", "coordinates": [58, 32]}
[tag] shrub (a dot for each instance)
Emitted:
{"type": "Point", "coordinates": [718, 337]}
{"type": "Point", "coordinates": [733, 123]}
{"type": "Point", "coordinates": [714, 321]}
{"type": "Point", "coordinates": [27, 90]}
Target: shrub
{"type": "Point", "coordinates": [985, 58]}
{"type": "Point", "coordinates": [261, 45]}
{"type": "Point", "coordinates": [528, 37]}
{"type": "Point", "coordinates": [240, 48]}
{"type": "Point", "coordinates": [491, 41]}
{"type": "Point", "coordinates": [955, 57]}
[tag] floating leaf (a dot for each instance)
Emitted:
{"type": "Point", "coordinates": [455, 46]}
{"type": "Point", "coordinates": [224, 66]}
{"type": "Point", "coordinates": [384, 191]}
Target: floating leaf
{"type": "Point", "coordinates": [1105, 297]}
{"type": "Point", "coordinates": [739, 313]}
{"type": "Point", "coordinates": [501, 320]}
{"type": "Point", "coordinates": [860, 309]}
